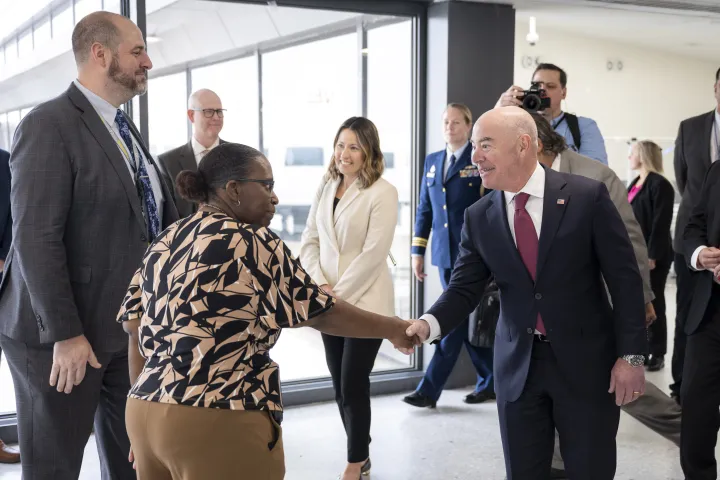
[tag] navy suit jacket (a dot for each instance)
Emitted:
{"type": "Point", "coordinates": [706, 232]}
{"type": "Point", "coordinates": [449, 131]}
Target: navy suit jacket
{"type": "Point", "coordinates": [442, 205]}
{"type": "Point", "coordinates": [5, 217]}
{"type": "Point", "coordinates": [582, 240]}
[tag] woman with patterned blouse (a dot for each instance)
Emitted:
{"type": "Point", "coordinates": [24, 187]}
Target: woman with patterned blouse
{"type": "Point", "coordinates": [209, 301]}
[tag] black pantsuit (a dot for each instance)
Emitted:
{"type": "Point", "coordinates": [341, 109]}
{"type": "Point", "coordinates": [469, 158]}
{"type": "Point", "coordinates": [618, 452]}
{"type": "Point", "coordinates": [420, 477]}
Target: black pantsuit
{"type": "Point", "coordinates": [587, 427]}
{"type": "Point", "coordinates": [683, 298]}
{"type": "Point", "coordinates": [58, 426]}
{"type": "Point", "coordinates": [657, 332]}
{"type": "Point", "coordinates": [701, 396]}
{"type": "Point", "coordinates": [350, 361]}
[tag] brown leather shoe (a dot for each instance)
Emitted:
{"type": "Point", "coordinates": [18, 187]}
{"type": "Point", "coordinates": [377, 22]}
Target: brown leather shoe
{"type": "Point", "coordinates": [8, 455]}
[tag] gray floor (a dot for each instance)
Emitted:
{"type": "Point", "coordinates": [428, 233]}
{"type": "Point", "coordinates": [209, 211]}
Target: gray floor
{"type": "Point", "coordinates": [455, 441]}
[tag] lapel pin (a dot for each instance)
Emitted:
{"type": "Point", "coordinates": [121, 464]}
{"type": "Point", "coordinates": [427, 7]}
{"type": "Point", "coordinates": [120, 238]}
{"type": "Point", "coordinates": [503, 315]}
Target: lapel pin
{"type": "Point", "coordinates": [561, 201]}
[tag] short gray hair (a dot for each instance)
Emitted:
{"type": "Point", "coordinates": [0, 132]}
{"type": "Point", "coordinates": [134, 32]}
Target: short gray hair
{"type": "Point", "coordinates": [97, 27]}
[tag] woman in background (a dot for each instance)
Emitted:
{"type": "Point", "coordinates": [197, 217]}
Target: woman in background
{"type": "Point", "coordinates": [652, 198]}
{"type": "Point", "coordinates": [209, 302]}
{"type": "Point", "coordinates": [345, 247]}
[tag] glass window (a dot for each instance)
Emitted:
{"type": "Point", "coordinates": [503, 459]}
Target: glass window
{"type": "Point", "coordinates": [16, 13]}
{"type": "Point", "coordinates": [4, 141]}
{"type": "Point", "coordinates": [308, 91]}
{"type": "Point", "coordinates": [236, 83]}
{"type": "Point", "coordinates": [13, 122]}
{"type": "Point", "coordinates": [112, 6]}
{"type": "Point", "coordinates": [167, 112]}
{"type": "Point", "coordinates": [62, 24]}
{"type": "Point", "coordinates": [25, 44]}
{"type": "Point", "coordinates": [42, 33]}
{"type": "Point", "coordinates": [11, 53]}
{"type": "Point", "coordinates": [86, 7]}
{"type": "Point", "coordinates": [389, 56]}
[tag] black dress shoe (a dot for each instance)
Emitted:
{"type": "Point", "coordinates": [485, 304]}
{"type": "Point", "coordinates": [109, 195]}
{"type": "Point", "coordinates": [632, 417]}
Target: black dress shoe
{"type": "Point", "coordinates": [419, 400]}
{"type": "Point", "coordinates": [656, 363]}
{"type": "Point", "coordinates": [479, 397]}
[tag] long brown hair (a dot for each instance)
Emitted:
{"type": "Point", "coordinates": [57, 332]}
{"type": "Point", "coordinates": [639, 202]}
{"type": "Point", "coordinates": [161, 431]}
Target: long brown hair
{"type": "Point", "coordinates": [369, 140]}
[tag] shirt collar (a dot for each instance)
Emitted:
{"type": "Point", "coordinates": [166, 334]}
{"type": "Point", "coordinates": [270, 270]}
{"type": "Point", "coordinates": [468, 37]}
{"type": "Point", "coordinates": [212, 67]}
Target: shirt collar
{"type": "Point", "coordinates": [457, 152]}
{"type": "Point", "coordinates": [198, 148]}
{"type": "Point", "coordinates": [717, 116]}
{"type": "Point", "coordinates": [104, 108]}
{"type": "Point", "coordinates": [535, 186]}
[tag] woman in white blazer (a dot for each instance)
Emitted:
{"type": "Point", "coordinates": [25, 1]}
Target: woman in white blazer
{"type": "Point", "coordinates": [345, 247]}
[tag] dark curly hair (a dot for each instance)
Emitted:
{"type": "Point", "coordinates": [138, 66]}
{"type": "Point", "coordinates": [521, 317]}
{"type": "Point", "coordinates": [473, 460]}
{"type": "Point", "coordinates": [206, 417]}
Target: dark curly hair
{"type": "Point", "coordinates": [552, 141]}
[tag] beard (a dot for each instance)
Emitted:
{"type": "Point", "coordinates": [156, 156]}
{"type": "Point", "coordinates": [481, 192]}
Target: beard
{"type": "Point", "coordinates": [125, 80]}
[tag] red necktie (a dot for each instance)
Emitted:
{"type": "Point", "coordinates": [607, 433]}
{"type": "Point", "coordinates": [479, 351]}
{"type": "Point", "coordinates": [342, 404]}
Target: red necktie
{"type": "Point", "coordinates": [527, 242]}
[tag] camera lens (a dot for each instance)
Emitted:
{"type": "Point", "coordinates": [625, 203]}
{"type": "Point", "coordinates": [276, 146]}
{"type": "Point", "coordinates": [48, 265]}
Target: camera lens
{"type": "Point", "coordinates": [532, 102]}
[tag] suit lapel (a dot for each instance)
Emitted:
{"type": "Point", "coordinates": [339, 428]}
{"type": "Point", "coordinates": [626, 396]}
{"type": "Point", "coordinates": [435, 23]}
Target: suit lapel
{"type": "Point", "coordinates": [498, 220]}
{"type": "Point", "coordinates": [328, 218]}
{"type": "Point", "coordinates": [98, 129]}
{"type": "Point", "coordinates": [350, 195]}
{"type": "Point", "coordinates": [555, 203]}
{"type": "Point", "coordinates": [187, 158]}
{"type": "Point", "coordinates": [707, 135]}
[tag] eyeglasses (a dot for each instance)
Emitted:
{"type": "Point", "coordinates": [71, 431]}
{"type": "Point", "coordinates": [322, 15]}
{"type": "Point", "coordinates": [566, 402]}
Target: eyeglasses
{"type": "Point", "coordinates": [209, 112]}
{"type": "Point", "coordinates": [270, 184]}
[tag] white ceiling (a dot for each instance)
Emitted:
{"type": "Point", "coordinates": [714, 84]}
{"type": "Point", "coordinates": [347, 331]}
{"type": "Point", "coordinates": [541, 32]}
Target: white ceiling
{"type": "Point", "coordinates": [692, 31]}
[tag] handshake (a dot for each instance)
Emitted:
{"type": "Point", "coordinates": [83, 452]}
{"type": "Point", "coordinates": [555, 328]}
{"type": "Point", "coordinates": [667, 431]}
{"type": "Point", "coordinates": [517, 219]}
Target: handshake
{"type": "Point", "coordinates": [409, 333]}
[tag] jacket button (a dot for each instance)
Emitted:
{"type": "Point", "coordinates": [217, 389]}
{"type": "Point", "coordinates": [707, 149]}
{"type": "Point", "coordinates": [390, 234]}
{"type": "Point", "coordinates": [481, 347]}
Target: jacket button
{"type": "Point", "coordinates": [470, 184]}
{"type": "Point", "coordinates": [530, 331]}
{"type": "Point", "coordinates": [443, 189]}
{"type": "Point", "coordinates": [444, 207]}
{"type": "Point", "coordinates": [538, 296]}
{"type": "Point", "coordinates": [446, 225]}
{"type": "Point", "coordinates": [143, 238]}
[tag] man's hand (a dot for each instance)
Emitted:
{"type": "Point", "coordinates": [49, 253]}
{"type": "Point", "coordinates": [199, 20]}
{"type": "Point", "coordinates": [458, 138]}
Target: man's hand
{"type": "Point", "coordinates": [69, 360]}
{"type": "Point", "coordinates": [650, 315]}
{"type": "Point", "coordinates": [401, 340]}
{"type": "Point", "coordinates": [418, 330]}
{"type": "Point", "coordinates": [716, 274]}
{"type": "Point", "coordinates": [709, 258]}
{"type": "Point", "coordinates": [652, 264]}
{"type": "Point", "coordinates": [509, 98]}
{"type": "Point", "coordinates": [327, 289]}
{"type": "Point", "coordinates": [131, 458]}
{"type": "Point", "coordinates": [627, 382]}
{"type": "Point", "coordinates": [418, 265]}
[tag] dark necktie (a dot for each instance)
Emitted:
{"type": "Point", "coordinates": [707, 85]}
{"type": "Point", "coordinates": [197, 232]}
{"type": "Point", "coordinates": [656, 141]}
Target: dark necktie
{"type": "Point", "coordinates": [141, 176]}
{"type": "Point", "coordinates": [527, 242]}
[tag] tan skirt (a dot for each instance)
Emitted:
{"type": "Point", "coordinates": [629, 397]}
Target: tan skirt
{"type": "Point", "coordinates": [177, 442]}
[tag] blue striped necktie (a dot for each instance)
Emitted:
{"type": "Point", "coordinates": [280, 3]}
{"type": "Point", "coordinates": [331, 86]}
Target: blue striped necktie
{"type": "Point", "coordinates": [141, 175]}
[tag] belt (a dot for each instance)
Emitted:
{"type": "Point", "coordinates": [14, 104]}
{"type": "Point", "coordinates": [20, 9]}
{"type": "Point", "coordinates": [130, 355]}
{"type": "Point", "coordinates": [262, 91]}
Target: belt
{"type": "Point", "coordinates": [539, 337]}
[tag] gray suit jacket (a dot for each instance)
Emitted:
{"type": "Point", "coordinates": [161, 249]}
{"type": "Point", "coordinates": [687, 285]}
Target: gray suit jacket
{"type": "Point", "coordinates": [577, 164]}
{"type": "Point", "coordinates": [173, 162]}
{"type": "Point", "coordinates": [78, 230]}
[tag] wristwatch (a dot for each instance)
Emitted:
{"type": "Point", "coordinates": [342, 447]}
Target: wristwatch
{"type": "Point", "coordinates": [634, 360]}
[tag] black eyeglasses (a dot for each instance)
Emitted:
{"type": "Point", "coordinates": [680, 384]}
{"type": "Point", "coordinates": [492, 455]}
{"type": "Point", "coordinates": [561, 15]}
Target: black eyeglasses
{"type": "Point", "coordinates": [270, 184]}
{"type": "Point", "coordinates": [209, 112]}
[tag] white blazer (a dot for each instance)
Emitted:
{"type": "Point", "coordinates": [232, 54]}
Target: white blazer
{"type": "Point", "coordinates": [349, 249]}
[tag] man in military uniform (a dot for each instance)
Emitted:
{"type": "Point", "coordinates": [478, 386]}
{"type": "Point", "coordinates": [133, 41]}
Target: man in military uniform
{"type": "Point", "coordinates": [450, 184]}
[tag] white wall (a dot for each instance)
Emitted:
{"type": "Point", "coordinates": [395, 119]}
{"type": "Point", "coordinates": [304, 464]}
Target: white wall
{"type": "Point", "coordinates": [647, 99]}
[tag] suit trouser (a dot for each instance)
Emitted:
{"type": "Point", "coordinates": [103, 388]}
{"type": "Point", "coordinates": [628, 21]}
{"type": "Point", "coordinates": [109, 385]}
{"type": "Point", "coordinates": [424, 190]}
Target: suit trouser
{"type": "Point", "coordinates": [587, 427]}
{"type": "Point", "coordinates": [350, 361]}
{"type": "Point", "coordinates": [685, 285]}
{"type": "Point", "coordinates": [655, 409]}
{"type": "Point", "coordinates": [447, 353]}
{"type": "Point", "coordinates": [179, 442]}
{"type": "Point", "coordinates": [657, 332]}
{"type": "Point", "coordinates": [54, 428]}
{"type": "Point", "coordinates": [701, 396]}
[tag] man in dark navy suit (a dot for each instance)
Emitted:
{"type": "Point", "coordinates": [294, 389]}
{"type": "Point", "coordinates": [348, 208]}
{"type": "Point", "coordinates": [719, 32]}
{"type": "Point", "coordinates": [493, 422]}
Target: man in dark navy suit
{"type": "Point", "coordinates": [565, 357]}
{"type": "Point", "coordinates": [7, 455]}
{"type": "Point", "coordinates": [450, 184]}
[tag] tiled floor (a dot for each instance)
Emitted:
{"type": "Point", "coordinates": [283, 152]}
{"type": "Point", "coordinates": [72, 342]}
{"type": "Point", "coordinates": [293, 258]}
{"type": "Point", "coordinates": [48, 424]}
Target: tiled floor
{"type": "Point", "coordinates": [455, 441]}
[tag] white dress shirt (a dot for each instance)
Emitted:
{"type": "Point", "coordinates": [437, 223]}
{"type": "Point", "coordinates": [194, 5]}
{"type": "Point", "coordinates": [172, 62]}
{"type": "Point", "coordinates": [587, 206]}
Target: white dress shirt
{"type": "Point", "coordinates": [556, 163]}
{"type": "Point", "coordinates": [449, 153]}
{"type": "Point", "coordinates": [200, 151]}
{"type": "Point", "coordinates": [714, 154]}
{"type": "Point", "coordinates": [535, 187]}
{"type": "Point", "coordinates": [107, 113]}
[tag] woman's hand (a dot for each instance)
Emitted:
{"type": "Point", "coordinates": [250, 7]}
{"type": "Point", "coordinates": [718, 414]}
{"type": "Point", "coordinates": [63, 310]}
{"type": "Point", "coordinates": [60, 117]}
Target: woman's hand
{"type": "Point", "coordinates": [131, 458]}
{"type": "Point", "coordinates": [328, 289]}
{"type": "Point", "coordinates": [652, 264]}
{"type": "Point", "coordinates": [400, 338]}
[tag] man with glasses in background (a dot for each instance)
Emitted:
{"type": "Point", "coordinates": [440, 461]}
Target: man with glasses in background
{"type": "Point", "coordinates": [206, 115]}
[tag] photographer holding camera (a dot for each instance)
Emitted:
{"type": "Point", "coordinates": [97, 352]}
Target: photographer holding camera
{"type": "Point", "coordinates": [548, 90]}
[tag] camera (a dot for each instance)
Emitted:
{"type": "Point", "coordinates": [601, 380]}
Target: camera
{"type": "Point", "coordinates": [534, 99]}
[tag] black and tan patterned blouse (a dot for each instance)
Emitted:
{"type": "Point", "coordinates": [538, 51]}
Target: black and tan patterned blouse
{"type": "Point", "coordinates": [212, 295]}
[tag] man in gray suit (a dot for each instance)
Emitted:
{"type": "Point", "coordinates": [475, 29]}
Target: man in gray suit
{"type": "Point", "coordinates": [206, 114]}
{"type": "Point", "coordinates": [87, 199]}
{"type": "Point", "coordinates": [654, 409]}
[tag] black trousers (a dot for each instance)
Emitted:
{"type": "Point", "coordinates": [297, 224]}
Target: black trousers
{"type": "Point", "coordinates": [53, 428]}
{"type": "Point", "coordinates": [685, 287]}
{"type": "Point", "coordinates": [701, 396]}
{"type": "Point", "coordinates": [350, 361]}
{"type": "Point", "coordinates": [587, 426]}
{"type": "Point", "coordinates": [657, 332]}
